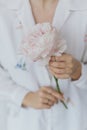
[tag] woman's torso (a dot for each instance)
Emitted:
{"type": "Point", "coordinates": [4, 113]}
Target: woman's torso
{"type": "Point", "coordinates": [16, 21]}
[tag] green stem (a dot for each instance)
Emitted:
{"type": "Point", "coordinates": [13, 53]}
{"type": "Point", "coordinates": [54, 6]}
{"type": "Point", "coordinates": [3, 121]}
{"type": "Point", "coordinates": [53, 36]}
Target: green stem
{"type": "Point", "coordinates": [58, 89]}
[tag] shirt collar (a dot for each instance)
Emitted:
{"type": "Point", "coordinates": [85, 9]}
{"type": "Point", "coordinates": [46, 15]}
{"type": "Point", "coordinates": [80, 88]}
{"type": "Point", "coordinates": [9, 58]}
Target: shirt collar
{"type": "Point", "coordinates": [11, 4]}
{"type": "Point", "coordinates": [78, 5]}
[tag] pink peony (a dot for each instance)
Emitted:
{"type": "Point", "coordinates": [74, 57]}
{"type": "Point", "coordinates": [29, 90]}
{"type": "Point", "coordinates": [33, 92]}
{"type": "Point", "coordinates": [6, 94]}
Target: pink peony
{"type": "Point", "coordinates": [42, 43]}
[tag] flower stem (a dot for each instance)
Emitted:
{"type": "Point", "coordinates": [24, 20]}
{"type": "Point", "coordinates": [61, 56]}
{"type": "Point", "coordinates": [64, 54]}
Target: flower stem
{"type": "Point", "coordinates": [58, 89]}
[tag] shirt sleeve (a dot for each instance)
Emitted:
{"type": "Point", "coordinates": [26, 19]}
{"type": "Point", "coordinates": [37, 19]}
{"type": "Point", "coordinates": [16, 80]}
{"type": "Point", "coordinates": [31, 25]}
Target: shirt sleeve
{"type": "Point", "coordinates": [82, 81]}
{"type": "Point", "coordinates": [10, 90]}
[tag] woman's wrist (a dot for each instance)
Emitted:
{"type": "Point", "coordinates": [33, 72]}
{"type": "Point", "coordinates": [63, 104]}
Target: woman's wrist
{"type": "Point", "coordinates": [27, 99]}
{"type": "Point", "coordinates": [76, 75]}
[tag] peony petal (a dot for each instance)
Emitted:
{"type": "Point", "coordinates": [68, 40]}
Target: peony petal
{"type": "Point", "coordinates": [41, 43]}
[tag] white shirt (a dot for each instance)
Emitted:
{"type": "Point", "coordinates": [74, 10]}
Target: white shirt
{"type": "Point", "coordinates": [16, 20]}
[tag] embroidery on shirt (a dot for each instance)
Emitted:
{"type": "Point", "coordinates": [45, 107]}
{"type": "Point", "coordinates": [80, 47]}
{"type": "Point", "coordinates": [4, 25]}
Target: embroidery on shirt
{"type": "Point", "coordinates": [21, 64]}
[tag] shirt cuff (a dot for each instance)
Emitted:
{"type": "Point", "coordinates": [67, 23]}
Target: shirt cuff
{"type": "Point", "coordinates": [15, 103]}
{"type": "Point", "coordinates": [19, 95]}
{"type": "Point", "coordinates": [82, 81]}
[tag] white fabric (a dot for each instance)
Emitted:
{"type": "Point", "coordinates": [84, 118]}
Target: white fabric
{"type": "Point", "coordinates": [71, 21]}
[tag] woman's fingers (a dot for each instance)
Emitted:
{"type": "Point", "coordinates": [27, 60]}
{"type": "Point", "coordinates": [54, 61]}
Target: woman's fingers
{"type": "Point", "coordinates": [64, 58]}
{"type": "Point", "coordinates": [57, 70]}
{"type": "Point", "coordinates": [48, 102]}
{"type": "Point", "coordinates": [48, 96]}
{"type": "Point", "coordinates": [61, 71]}
{"type": "Point", "coordinates": [57, 64]}
{"type": "Point", "coordinates": [45, 106]}
{"type": "Point", "coordinates": [63, 66]}
{"type": "Point", "coordinates": [45, 97]}
{"type": "Point", "coordinates": [52, 94]}
{"type": "Point", "coordinates": [60, 76]}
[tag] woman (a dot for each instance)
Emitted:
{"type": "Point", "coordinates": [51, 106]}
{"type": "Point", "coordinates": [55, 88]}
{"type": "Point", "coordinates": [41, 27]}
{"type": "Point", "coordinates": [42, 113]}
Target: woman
{"type": "Point", "coordinates": [33, 105]}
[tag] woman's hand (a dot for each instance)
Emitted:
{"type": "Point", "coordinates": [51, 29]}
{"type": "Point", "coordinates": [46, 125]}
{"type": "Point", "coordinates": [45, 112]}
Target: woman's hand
{"type": "Point", "coordinates": [44, 98]}
{"type": "Point", "coordinates": [65, 66]}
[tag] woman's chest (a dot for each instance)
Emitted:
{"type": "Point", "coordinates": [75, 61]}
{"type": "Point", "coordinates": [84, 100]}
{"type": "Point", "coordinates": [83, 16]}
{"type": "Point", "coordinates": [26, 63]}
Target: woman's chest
{"type": "Point", "coordinates": [43, 12]}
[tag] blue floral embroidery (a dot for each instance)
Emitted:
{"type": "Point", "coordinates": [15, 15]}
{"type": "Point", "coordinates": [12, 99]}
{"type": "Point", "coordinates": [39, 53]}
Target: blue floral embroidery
{"type": "Point", "coordinates": [21, 64]}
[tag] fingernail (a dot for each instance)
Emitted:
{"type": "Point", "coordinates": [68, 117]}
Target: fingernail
{"type": "Point", "coordinates": [63, 99]}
